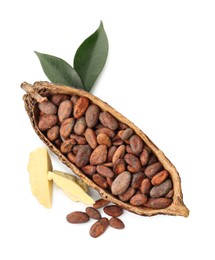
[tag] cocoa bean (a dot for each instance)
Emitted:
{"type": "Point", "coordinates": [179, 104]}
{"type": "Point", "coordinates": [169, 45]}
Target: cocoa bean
{"type": "Point", "coordinates": [119, 153]}
{"type": "Point", "coordinates": [83, 155]}
{"type": "Point", "coordinates": [109, 181]}
{"type": "Point", "coordinates": [144, 157]}
{"type": "Point", "coordinates": [138, 200]}
{"type": "Point", "coordinates": [145, 186]}
{"type": "Point", "coordinates": [111, 152]}
{"type": "Point", "coordinates": [71, 157]}
{"type": "Point", "coordinates": [105, 130]}
{"type": "Point", "coordinates": [81, 107]}
{"type": "Point", "coordinates": [58, 98]}
{"type": "Point", "coordinates": [64, 110]}
{"type": "Point", "coordinates": [99, 227]}
{"type": "Point", "coordinates": [92, 115]}
{"type": "Point", "coordinates": [80, 126]}
{"type": "Point", "coordinates": [169, 194]}
{"type": "Point", "coordinates": [118, 142]}
{"type": "Point", "coordinates": [158, 203]}
{"type": "Point", "coordinates": [77, 217]}
{"type": "Point", "coordinates": [127, 134]}
{"type": "Point", "coordinates": [136, 144]}
{"type": "Point", "coordinates": [116, 223]}
{"type": "Point", "coordinates": [113, 210]}
{"type": "Point", "coordinates": [89, 169]}
{"type": "Point", "coordinates": [48, 108]}
{"type": "Point", "coordinates": [99, 155]}
{"type": "Point", "coordinates": [119, 166]}
{"type": "Point", "coordinates": [100, 203]}
{"type": "Point", "coordinates": [103, 139]}
{"type": "Point", "coordinates": [93, 213]}
{"type": "Point", "coordinates": [105, 171]}
{"type": "Point", "coordinates": [100, 180]}
{"type": "Point", "coordinates": [152, 159]}
{"type": "Point", "coordinates": [58, 142]}
{"type": "Point", "coordinates": [76, 147]}
{"type": "Point", "coordinates": [66, 146]}
{"type": "Point", "coordinates": [133, 162]}
{"type": "Point", "coordinates": [53, 133]}
{"type": "Point", "coordinates": [91, 138]}
{"type": "Point", "coordinates": [122, 126]}
{"type": "Point", "coordinates": [79, 139]}
{"type": "Point", "coordinates": [121, 183]}
{"type": "Point", "coordinates": [162, 189]}
{"type": "Point", "coordinates": [152, 169]}
{"type": "Point", "coordinates": [67, 127]}
{"type": "Point", "coordinates": [74, 99]}
{"type": "Point", "coordinates": [159, 177]}
{"type": "Point", "coordinates": [137, 180]}
{"type": "Point", "coordinates": [108, 120]}
{"type": "Point", "coordinates": [127, 194]}
{"type": "Point", "coordinates": [47, 121]}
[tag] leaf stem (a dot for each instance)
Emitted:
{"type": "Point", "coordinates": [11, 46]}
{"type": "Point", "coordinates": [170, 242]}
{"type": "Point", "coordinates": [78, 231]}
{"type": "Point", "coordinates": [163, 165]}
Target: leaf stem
{"type": "Point", "coordinates": [28, 88]}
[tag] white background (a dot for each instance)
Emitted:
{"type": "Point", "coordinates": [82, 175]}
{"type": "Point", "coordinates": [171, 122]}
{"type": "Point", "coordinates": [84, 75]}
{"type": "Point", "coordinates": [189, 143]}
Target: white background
{"type": "Point", "coordinates": [160, 74]}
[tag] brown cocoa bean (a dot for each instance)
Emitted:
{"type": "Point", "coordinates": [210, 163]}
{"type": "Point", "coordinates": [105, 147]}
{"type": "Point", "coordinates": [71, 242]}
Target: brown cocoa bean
{"type": "Point", "coordinates": [48, 108]}
{"type": "Point", "coordinates": [138, 200]}
{"type": "Point", "coordinates": [100, 203]}
{"type": "Point", "coordinates": [79, 139]}
{"type": "Point", "coordinates": [127, 134]}
{"type": "Point", "coordinates": [66, 146]}
{"type": "Point", "coordinates": [116, 223]}
{"type": "Point", "coordinates": [47, 121]}
{"type": "Point", "coordinates": [152, 159]}
{"type": "Point", "coordinates": [121, 183]}
{"type": "Point", "coordinates": [152, 169]}
{"type": "Point", "coordinates": [144, 157]}
{"type": "Point", "coordinates": [91, 138]}
{"type": "Point", "coordinates": [109, 181]}
{"type": "Point", "coordinates": [136, 144]}
{"type": "Point", "coordinates": [80, 126]}
{"type": "Point", "coordinates": [83, 155]}
{"type": "Point", "coordinates": [105, 130]}
{"type": "Point", "coordinates": [119, 166]}
{"type": "Point", "coordinates": [133, 162]}
{"type": "Point", "coordinates": [159, 177]}
{"type": "Point", "coordinates": [81, 107]}
{"type": "Point", "coordinates": [76, 148]}
{"type": "Point", "coordinates": [162, 189]}
{"type": "Point", "coordinates": [71, 157]}
{"type": "Point", "coordinates": [58, 142]}
{"type": "Point", "coordinates": [169, 194]}
{"type": "Point", "coordinates": [137, 180]}
{"type": "Point", "coordinates": [108, 164]}
{"type": "Point", "coordinates": [100, 180]}
{"type": "Point", "coordinates": [93, 213]}
{"type": "Point", "coordinates": [53, 133]}
{"type": "Point", "coordinates": [113, 210]}
{"type": "Point", "coordinates": [64, 110]}
{"type": "Point", "coordinates": [145, 186]}
{"type": "Point", "coordinates": [89, 169]}
{"type": "Point", "coordinates": [58, 98]}
{"type": "Point", "coordinates": [158, 203]}
{"type": "Point", "coordinates": [118, 142]}
{"type": "Point", "coordinates": [99, 227]}
{"type": "Point", "coordinates": [74, 99]}
{"type": "Point", "coordinates": [111, 152]}
{"type": "Point", "coordinates": [67, 127]}
{"type": "Point", "coordinates": [127, 194]}
{"type": "Point", "coordinates": [99, 155]}
{"type": "Point", "coordinates": [92, 115]}
{"type": "Point", "coordinates": [129, 150]}
{"type": "Point", "coordinates": [104, 139]}
{"type": "Point", "coordinates": [108, 120]}
{"type": "Point", "coordinates": [122, 126]}
{"type": "Point", "coordinates": [119, 153]}
{"type": "Point", "coordinates": [105, 171]}
{"type": "Point", "coordinates": [77, 217]}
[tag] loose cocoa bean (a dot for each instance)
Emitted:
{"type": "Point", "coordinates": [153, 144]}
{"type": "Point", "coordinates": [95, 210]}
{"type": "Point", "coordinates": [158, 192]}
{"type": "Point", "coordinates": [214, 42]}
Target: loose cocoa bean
{"type": "Point", "coordinates": [77, 217]}
{"type": "Point", "coordinates": [105, 130]}
{"type": "Point", "coordinates": [159, 177]}
{"type": "Point", "coordinates": [80, 126]}
{"type": "Point", "coordinates": [58, 98]}
{"type": "Point", "coordinates": [136, 144]}
{"type": "Point", "coordinates": [64, 110]}
{"type": "Point", "coordinates": [80, 107]}
{"type": "Point", "coordinates": [137, 180]}
{"type": "Point", "coordinates": [47, 121]}
{"type": "Point", "coordinates": [121, 183]}
{"type": "Point", "coordinates": [105, 171]}
{"type": "Point", "coordinates": [127, 194]}
{"type": "Point", "coordinates": [127, 134]}
{"type": "Point", "coordinates": [99, 227]}
{"type": "Point", "coordinates": [99, 155]}
{"type": "Point", "coordinates": [113, 210]}
{"type": "Point", "coordinates": [100, 203]}
{"type": "Point", "coordinates": [162, 189]}
{"type": "Point", "coordinates": [89, 169]}
{"type": "Point", "coordinates": [152, 169]}
{"type": "Point", "coordinates": [108, 120]}
{"type": "Point", "coordinates": [100, 180]}
{"type": "Point", "coordinates": [93, 213]}
{"type": "Point", "coordinates": [119, 153]}
{"type": "Point", "coordinates": [158, 203]}
{"type": "Point", "coordinates": [116, 223]}
{"type": "Point", "coordinates": [145, 186]}
{"type": "Point", "coordinates": [53, 133]}
{"type": "Point", "coordinates": [66, 146]}
{"type": "Point", "coordinates": [83, 155]}
{"type": "Point", "coordinates": [104, 139]}
{"type": "Point", "coordinates": [144, 157]}
{"type": "Point", "coordinates": [67, 127]}
{"type": "Point", "coordinates": [91, 138]}
{"type": "Point", "coordinates": [133, 162]}
{"type": "Point", "coordinates": [119, 166]}
{"type": "Point", "coordinates": [138, 200]}
{"type": "Point", "coordinates": [92, 115]}
{"type": "Point", "coordinates": [48, 108]}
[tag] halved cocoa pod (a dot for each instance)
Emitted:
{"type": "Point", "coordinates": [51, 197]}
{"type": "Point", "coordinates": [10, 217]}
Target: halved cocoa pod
{"type": "Point", "coordinates": [109, 117]}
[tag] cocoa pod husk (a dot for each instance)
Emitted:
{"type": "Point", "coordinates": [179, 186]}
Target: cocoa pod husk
{"type": "Point", "coordinates": [40, 90]}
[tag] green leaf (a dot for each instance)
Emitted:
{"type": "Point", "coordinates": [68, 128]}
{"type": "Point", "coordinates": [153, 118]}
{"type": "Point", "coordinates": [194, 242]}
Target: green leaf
{"type": "Point", "coordinates": [91, 56]}
{"type": "Point", "coordinates": [59, 71]}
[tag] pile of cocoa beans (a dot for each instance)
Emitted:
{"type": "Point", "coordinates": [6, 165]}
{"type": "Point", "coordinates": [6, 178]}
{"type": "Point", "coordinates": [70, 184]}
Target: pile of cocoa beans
{"type": "Point", "coordinates": [106, 150]}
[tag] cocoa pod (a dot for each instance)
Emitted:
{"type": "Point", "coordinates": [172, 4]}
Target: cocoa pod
{"type": "Point", "coordinates": [121, 183]}
{"type": "Point", "coordinates": [47, 121]}
{"type": "Point", "coordinates": [116, 223]}
{"type": "Point", "coordinates": [80, 107]}
{"type": "Point", "coordinates": [99, 155]}
{"type": "Point", "coordinates": [77, 217]}
{"type": "Point", "coordinates": [64, 110]}
{"type": "Point", "coordinates": [113, 210]}
{"type": "Point", "coordinates": [93, 213]}
{"type": "Point", "coordinates": [99, 227]}
{"type": "Point", "coordinates": [92, 115]}
{"type": "Point", "coordinates": [108, 120]}
{"type": "Point", "coordinates": [48, 108]}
